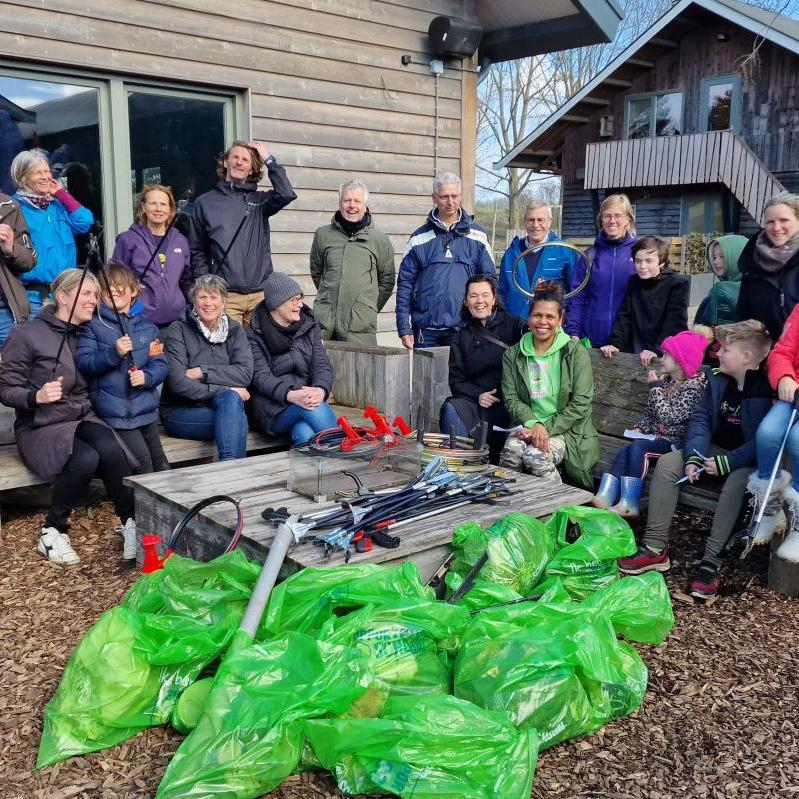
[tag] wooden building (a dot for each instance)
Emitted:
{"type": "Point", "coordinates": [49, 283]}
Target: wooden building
{"type": "Point", "coordinates": [133, 91]}
{"type": "Point", "coordinates": [697, 121]}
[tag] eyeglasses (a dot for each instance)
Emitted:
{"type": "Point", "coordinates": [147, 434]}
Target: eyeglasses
{"type": "Point", "coordinates": [298, 299]}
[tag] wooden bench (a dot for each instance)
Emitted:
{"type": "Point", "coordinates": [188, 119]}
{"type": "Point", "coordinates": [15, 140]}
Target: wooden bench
{"type": "Point", "coordinates": [620, 394]}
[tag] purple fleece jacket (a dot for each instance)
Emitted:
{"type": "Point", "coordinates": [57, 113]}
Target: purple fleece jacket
{"type": "Point", "coordinates": [167, 281]}
{"type": "Point", "coordinates": [611, 269]}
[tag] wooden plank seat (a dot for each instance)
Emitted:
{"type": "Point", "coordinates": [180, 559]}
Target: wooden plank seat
{"type": "Point", "coordinates": [620, 393]}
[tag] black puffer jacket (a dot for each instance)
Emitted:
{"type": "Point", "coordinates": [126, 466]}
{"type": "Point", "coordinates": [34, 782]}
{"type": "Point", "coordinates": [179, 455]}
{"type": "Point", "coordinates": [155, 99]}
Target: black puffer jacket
{"type": "Point", "coordinates": [284, 360]}
{"type": "Point", "coordinates": [767, 297]}
{"type": "Point", "coordinates": [652, 310]}
{"type": "Point", "coordinates": [216, 217]}
{"type": "Point", "coordinates": [475, 363]}
{"type": "Point", "coordinates": [224, 365]}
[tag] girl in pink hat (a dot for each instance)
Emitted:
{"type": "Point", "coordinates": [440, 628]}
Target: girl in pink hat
{"type": "Point", "coordinates": [674, 391]}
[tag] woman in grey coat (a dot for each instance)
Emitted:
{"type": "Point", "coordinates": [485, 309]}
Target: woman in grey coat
{"type": "Point", "coordinates": [210, 367]}
{"type": "Point", "coordinates": [293, 375]}
{"type": "Point", "coordinates": [59, 437]}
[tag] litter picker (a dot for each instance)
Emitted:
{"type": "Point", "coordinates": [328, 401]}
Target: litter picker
{"type": "Point", "coordinates": [749, 535]}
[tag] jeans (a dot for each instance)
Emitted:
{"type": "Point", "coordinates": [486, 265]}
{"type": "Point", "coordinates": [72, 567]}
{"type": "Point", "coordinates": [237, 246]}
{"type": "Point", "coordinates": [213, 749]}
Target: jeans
{"type": "Point", "coordinates": [302, 422]}
{"type": "Point", "coordinates": [433, 336]}
{"type": "Point", "coordinates": [145, 444]}
{"type": "Point", "coordinates": [769, 437]}
{"type": "Point", "coordinates": [222, 421]}
{"type": "Point", "coordinates": [449, 418]}
{"type": "Point", "coordinates": [94, 450]}
{"type": "Point", "coordinates": [632, 461]}
{"type": "Point", "coordinates": [6, 323]}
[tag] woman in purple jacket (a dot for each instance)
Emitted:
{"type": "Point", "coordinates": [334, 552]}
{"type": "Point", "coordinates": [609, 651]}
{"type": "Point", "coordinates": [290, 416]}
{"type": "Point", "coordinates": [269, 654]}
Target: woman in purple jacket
{"type": "Point", "coordinates": [165, 285]}
{"type": "Point", "coordinates": [611, 268]}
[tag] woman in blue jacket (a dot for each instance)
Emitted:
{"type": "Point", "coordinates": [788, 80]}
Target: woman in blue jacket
{"type": "Point", "coordinates": [53, 216]}
{"type": "Point", "coordinates": [125, 367]}
{"type": "Point", "coordinates": [611, 269]}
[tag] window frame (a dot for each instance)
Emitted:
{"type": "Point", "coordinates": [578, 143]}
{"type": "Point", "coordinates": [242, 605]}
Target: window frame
{"type": "Point", "coordinates": [114, 128]}
{"type": "Point", "coordinates": [708, 199]}
{"type": "Point", "coordinates": [652, 97]}
{"type": "Point", "coordinates": [735, 106]}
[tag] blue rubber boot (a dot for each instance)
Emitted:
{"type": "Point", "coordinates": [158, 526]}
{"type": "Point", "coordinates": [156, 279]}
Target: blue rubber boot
{"type": "Point", "coordinates": [630, 502]}
{"type": "Point", "coordinates": [608, 493]}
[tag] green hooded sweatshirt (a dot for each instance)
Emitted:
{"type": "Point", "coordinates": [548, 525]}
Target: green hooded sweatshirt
{"type": "Point", "coordinates": [543, 377]}
{"type": "Point", "coordinates": [720, 305]}
{"type": "Point", "coordinates": [570, 366]}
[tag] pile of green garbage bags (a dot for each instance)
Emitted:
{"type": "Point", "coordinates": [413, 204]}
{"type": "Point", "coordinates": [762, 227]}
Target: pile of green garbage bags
{"type": "Point", "coordinates": [360, 670]}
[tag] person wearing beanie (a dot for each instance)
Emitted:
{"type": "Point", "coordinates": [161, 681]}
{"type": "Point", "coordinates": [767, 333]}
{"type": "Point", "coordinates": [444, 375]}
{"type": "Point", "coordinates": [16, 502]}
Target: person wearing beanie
{"type": "Point", "coordinates": [293, 376]}
{"type": "Point", "coordinates": [675, 390]}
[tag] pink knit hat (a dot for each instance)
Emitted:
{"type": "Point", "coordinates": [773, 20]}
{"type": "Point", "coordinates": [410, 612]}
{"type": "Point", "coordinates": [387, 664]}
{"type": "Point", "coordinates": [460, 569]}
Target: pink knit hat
{"type": "Point", "coordinates": [688, 349]}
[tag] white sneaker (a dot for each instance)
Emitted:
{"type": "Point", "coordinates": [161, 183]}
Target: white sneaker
{"type": "Point", "coordinates": [789, 548]}
{"type": "Point", "coordinates": [56, 547]}
{"type": "Point", "coordinates": [129, 543]}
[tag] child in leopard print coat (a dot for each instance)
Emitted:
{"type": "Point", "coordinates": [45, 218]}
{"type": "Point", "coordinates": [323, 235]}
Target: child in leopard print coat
{"type": "Point", "coordinates": [673, 395]}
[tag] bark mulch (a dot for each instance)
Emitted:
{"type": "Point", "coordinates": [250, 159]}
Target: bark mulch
{"type": "Point", "coordinates": [720, 719]}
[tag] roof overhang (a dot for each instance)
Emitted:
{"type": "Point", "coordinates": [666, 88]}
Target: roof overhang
{"type": "Point", "coordinates": [526, 153]}
{"type": "Point", "coordinates": [518, 28]}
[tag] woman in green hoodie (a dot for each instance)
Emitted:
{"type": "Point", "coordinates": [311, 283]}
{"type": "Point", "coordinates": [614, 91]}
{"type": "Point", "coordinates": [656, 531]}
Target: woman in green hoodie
{"type": "Point", "coordinates": [719, 307]}
{"type": "Point", "coordinates": [547, 388]}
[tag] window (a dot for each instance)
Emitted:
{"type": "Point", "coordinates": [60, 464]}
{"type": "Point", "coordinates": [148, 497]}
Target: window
{"type": "Point", "coordinates": [720, 106]}
{"type": "Point", "coordinates": [104, 158]}
{"type": "Point", "coordinates": [702, 214]}
{"type": "Point", "coordinates": [654, 115]}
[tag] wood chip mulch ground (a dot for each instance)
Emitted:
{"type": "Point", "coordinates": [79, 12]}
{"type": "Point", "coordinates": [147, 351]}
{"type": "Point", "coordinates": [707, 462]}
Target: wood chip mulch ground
{"type": "Point", "coordinates": [720, 720]}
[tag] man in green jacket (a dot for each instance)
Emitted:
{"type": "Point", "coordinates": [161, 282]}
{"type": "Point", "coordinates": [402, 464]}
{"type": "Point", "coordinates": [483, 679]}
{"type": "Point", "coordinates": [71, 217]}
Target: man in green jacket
{"type": "Point", "coordinates": [352, 266]}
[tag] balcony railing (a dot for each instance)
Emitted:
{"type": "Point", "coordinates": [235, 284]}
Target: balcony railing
{"type": "Point", "coordinates": [714, 157]}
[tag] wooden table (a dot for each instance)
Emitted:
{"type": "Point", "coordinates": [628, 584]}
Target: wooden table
{"type": "Point", "coordinates": [260, 481]}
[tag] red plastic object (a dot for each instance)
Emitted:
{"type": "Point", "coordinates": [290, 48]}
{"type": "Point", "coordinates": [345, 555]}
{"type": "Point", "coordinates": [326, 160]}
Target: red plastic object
{"type": "Point", "coordinates": [152, 561]}
{"type": "Point", "coordinates": [380, 422]}
{"type": "Point", "coordinates": [402, 426]}
{"type": "Point", "coordinates": [352, 437]}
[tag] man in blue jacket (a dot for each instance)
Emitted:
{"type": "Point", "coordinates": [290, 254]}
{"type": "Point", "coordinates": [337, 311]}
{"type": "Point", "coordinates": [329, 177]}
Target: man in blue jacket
{"type": "Point", "coordinates": [448, 249]}
{"type": "Point", "coordinates": [549, 263]}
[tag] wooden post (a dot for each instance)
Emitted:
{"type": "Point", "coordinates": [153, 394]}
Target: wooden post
{"type": "Point", "coordinates": [783, 576]}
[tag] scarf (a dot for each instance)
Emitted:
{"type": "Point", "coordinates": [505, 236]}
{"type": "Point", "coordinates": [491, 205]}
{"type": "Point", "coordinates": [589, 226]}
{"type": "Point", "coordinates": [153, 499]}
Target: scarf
{"type": "Point", "coordinates": [216, 336]}
{"type": "Point", "coordinates": [278, 339]}
{"type": "Point", "coordinates": [351, 228]}
{"type": "Point", "coordinates": [40, 201]}
{"type": "Point", "coordinates": [772, 259]}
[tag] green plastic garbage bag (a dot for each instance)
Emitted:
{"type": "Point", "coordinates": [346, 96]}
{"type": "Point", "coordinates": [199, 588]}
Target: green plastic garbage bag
{"type": "Point", "coordinates": [131, 666]}
{"type": "Point", "coordinates": [588, 562]}
{"type": "Point", "coordinates": [556, 667]}
{"type": "Point", "coordinates": [432, 747]}
{"type": "Point", "coordinates": [250, 735]}
{"type": "Point", "coordinates": [639, 607]}
{"type": "Point", "coordinates": [407, 643]}
{"type": "Point", "coordinates": [519, 547]}
{"type": "Point", "coordinates": [307, 599]}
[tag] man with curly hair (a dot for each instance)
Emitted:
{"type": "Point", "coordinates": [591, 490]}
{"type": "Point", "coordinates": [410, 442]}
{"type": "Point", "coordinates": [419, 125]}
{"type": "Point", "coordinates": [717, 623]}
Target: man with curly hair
{"type": "Point", "coordinates": [229, 234]}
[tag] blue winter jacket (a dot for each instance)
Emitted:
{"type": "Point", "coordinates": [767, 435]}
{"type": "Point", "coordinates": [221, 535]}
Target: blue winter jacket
{"type": "Point", "coordinates": [435, 267]}
{"type": "Point", "coordinates": [611, 269]}
{"type": "Point", "coordinates": [52, 231]}
{"type": "Point", "coordinates": [114, 399]}
{"type": "Point", "coordinates": [554, 263]}
{"type": "Point", "coordinates": [758, 397]}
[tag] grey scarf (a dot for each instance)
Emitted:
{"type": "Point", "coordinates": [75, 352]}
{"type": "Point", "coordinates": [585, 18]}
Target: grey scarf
{"type": "Point", "coordinates": [219, 334]}
{"type": "Point", "coordinates": [770, 258]}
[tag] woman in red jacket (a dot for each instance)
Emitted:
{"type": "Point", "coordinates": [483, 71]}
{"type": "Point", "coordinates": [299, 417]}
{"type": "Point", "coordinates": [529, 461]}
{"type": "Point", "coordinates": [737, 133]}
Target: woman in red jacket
{"type": "Point", "coordinates": [783, 366]}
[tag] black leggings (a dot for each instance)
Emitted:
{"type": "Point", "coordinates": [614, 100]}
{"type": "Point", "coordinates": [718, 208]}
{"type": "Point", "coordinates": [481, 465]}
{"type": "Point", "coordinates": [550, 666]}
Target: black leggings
{"type": "Point", "coordinates": [94, 450]}
{"type": "Point", "coordinates": [145, 443]}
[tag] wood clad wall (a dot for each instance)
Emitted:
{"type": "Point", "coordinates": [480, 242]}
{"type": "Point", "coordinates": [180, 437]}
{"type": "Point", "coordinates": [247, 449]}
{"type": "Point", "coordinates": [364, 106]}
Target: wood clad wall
{"type": "Point", "coordinates": [327, 90]}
